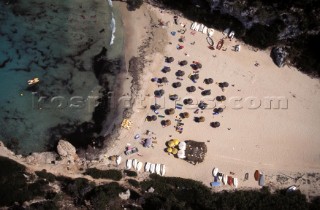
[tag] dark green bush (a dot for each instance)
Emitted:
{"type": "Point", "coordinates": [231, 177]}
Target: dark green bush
{"type": "Point", "coordinates": [45, 175]}
{"type": "Point", "coordinates": [134, 4]}
{"type": "Point", "coordinates": [44, 205]}
{"type": "Point", "coordinates": [133, 182]}
{"type": "Point", "coordinates": [130, 173]}
{"type": "Point", "coordinates": [104, 174]}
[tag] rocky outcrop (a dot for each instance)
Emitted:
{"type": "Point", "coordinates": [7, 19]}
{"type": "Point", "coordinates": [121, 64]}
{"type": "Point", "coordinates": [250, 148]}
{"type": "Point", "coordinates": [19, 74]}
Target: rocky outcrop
{"type": "Point", "coordinates": [125, 196]}
{"type": "Point", "coordinates": [279, 56]}
{"type": "Point", "coordinates": [66, 150]}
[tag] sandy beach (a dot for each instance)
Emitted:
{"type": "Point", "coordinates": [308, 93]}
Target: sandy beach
{"type": "Point", "coordinates": [280, 141]}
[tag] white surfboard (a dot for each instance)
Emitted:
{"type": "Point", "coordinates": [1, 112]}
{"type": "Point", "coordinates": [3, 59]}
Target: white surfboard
{"type": "Point", "coordinates": [118, 160]}
{"type": "Point", "coordinates": [205, 30]}
{"type": "Point", "coordinates": [193, 25]}
{"type": "Point", "coordinates": [225, 179]}
{"type": "Point", "coordinates": [152, 168]}
{"type": "Point", "coordinates": [147, 167]}
{"type": "Point", "coordinates": [215, 171]}
{"type": "Point", "coordinates": [139, 166]}
{"type": "Point", "coordinates": [163, 169]}
{"type": "Point", "coordinates": [158, 166]}
{"type": "Point", "coordinates": [235, 182]}
{"type": "Point", "coordinates": [129, 164]}
{"type": "Point", "coordinates": [201, 27]}
{"type": "Point", "coordinates": [134, 163]}
{"type": "Point", "coordinates": [210, 32]}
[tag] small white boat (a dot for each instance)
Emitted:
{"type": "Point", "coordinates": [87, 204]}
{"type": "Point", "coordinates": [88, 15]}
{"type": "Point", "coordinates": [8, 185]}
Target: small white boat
{"type": "Point", "coordinates": [197, 27]}
{"type": "Point", "coordinates": [291, 189]}
{"type": "Point", "coordinates": [231, 35]}
{"type": "Point", "coordinates": [201, 28]}
{"type": "Point", "coordinates": [210, 32]}
{"type": "Point", "coordinates": [152, 168]}
{"type": "Point", "coordinates": [129, 164]}
{"type": "Point", "coordinates": [215, 171]}
{"type": "Point", "coordinates": [147, 167]}
{"type": "Point", "coordinates": [235, 182]}
{"type": "Point", "coordinates": [158, 166]}
{"type": "Point", "coordinates": [163, 169]}
{"type": "Point", "coordinates": [118, 160]}
{"type": "Point", "coordinates": [134, 164]}
{"type": "Point", "coordinates": [205, 30]}
{"type": "Point", "coordinates": [226, 31]}
{"type": "Point", "coordinates": [139, 166]}
{"type": "Point", "coordinates": [225, 179]}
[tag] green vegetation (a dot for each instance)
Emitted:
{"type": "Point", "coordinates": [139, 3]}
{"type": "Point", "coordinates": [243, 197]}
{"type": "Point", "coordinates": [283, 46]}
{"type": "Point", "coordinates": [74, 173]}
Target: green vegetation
{"type": "Point", "coordinates": [130, 173]}
{"type": "Point", "coordinates": [134, 4]}
{"type": "Point", "coordinates": [45, 175]}
{"type": "Point", "coordinates": [134, 183]}
{"type": "Point", "coordinates": [104, 174]}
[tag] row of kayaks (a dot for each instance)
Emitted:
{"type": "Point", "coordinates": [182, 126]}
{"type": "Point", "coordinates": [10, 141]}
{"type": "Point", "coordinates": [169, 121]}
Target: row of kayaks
{"type": "Point", "coordinates": [157, 168]}
{"type": "Point", "coordinates": [202, 28]}
{"type": "Point", "coordinates": [226, 180]}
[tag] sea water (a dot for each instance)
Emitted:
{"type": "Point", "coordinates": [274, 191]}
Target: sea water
{"type": "Point", "coordinates": [55, 41]}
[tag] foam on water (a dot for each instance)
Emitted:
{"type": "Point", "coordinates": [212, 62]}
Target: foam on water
{"type": "Point", "coordinates": [113, 29]}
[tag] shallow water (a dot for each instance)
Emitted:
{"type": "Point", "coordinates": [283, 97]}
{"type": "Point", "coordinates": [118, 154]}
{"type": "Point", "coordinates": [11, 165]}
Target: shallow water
{"type": "Point", "coordinates": [54, 41]}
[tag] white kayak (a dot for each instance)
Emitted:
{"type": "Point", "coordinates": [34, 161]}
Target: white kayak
{"type": "Point", "coordinates": [235, 182]}
{"type": "Point", "coordinates": [147, 167]}
{"type": "Point", "coordinates": [231, 35]}
{"type": "Point", "coordinates": [210, 32]}
{"type": "Point", "coordinates": [225, 179]}
{"type": "Point", "coordinates": [158, 166]}
{"type": "Point", "coordinates": [193, 25]}
{"type": "Point", "coordinates": [201, 28]}
{"type": "Point", "coordinates": [163, 169]}
{"type": "Point", "coordinates": [215, 171]}
{"type": "Point", "coordinates": [205, 30]}
{"type": "Point", "coordinates": [134, 164]}
{"type": "Point", "coordinates": [129, 164]}
{"type": "Point", "coordinates": [197, 27]}
{"type": "Point", "coordinates": [139, 166]}
{"type": "Point", "coordinates": [118, 160]}
{"type": "Point", "coordinates": [152, 168]}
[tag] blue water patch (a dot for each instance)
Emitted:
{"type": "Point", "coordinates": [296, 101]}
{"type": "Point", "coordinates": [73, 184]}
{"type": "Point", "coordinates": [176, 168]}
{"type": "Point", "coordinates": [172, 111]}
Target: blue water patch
{"type": "Point", "coordinates": [54, 41]}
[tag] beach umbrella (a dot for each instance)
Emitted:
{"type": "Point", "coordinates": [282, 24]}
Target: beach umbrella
{"type": "Point", "coordinates": [218, 98]}
{"type": "Point", "coordinates": [176, 84]}
{"type": "Point", "coordinates": [182, 145]}
{"type": "Point", "coordinates": [225, 84]}
{"type": "Point", "coordinates": [206, 92]}
{"type": "Point", "coordinates": [185, 114]}
{"type": "Point", "coordinates": [223, 98]}
{"type": "Point", "coordinates": [176, 142]}
{"type": "Point", "coordinates": [220, 110]}
{"type": "Point", "coordinates": [188, 101]}
{"type": "Point", "coordinates": [169, 149]}
{"type": "Point", "coordinates": [155, 107]}
{"type": "Point", "coordinates": [216, 110]}
{"type": "Point", "coordinates": [215, 124]}
{"type": "Point", "coordinates": [180, 73]}
{"type": "Point", "coordinates": [208, 81]}
{"type": "Point", "coordinates": [149, 118]}
{"type": "Point", "coordinates": [159, 80]}
{"type": "Point", "coordinates": [202, 119]}
{"type": "Point", "coordinates": [166, 69]}
{"type": "Point", "coordinates": [164, 79]}
{"type": "Point", "coordinates": [202, 105]}
{"type": "Point", "coordinates": [154, 117]}
{"type": "Point", "coordinates": [183, 63]}
{"type": "Point", "coordinates": [191, 89]}
{"type": "Point", "coordinates": [169, 111]}
{"type": "Point", "coordinates": [194, 77]}
{"type": "Point", "coordinates": [169, 59]}
{"type": "Point", "coordinates": [161, 92]}
{"type": "Point", "coordinates": [221, 84]}
{"type": "Point", "coordinates": [168, 122]}
{"type": "Point", "coordinates": [171, 143]}
{"type": "Point", "coordinates": [173, 97]}
{"type": "Point", "coordinates": [199, 65]}
{"type": "Point", "coordinates": [181, 154]}
{"type": "Point", "coordinates": [174, 151]}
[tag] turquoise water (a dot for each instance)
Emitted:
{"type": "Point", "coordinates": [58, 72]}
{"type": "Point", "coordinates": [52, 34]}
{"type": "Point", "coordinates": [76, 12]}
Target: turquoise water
{"type": "Point", "coordinates": [55, 41]}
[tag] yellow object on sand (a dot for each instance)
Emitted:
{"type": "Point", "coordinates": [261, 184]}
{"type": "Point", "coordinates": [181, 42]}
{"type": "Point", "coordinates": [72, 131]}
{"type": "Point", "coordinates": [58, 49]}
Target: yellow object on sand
{"type": "Point", "coordinates": [174, 151]}
{"type": "Point", "coordinates": [171, 143]}
{"type": "Point", "coordinates": [126, 124]}
{"type": "Point", "coordinates": [176, 141]}
{"type": "Point", "coordinates": [169, 149]}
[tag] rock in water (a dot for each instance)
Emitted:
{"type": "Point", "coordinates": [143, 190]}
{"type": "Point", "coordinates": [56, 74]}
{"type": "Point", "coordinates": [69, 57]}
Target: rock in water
{"type": "Point", "coordinates": [65, 149]}
{"type": "Point", "coordinates": [279, 55]}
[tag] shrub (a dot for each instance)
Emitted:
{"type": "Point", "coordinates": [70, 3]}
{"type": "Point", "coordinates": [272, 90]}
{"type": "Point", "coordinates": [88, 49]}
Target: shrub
{"type": "Point", "coordinates": [130, 173]}
{"type": "Point", "coordinates": [45, 175]}
{"type": "Point", "coordinates": [104, 174]}
{"type": "Point", "coordinates": [134, 4]}
{"type": "Point", "coordinates": [133, 182]}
